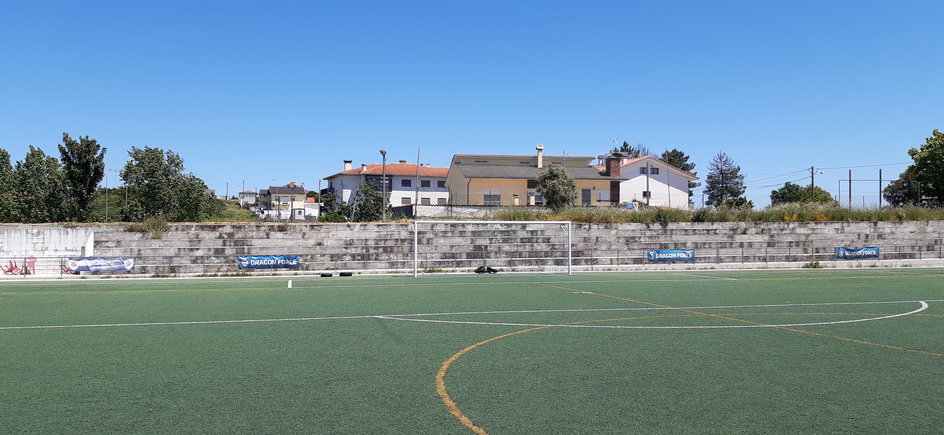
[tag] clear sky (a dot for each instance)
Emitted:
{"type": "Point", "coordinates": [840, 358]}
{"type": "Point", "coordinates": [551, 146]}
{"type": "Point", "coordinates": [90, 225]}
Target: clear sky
{"type": "Point", "coordinates": [251, 92]}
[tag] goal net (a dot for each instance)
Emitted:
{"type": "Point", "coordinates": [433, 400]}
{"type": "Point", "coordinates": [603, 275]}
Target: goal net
{"type": "Point", "coordinates": [492, 246]}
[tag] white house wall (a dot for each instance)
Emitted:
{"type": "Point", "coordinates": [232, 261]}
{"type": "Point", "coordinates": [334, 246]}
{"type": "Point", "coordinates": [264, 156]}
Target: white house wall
{"type": "Point", "coordinates": [668, 188]}
{"type": "Point", "coordinates": [346, 186]}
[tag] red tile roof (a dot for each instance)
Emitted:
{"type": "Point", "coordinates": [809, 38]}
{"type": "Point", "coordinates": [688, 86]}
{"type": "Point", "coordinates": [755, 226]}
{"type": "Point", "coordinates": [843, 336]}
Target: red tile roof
{"type": "Point", "coordinates": [398, 169]}
{"type": "Point", "coordinates": [639, 159]}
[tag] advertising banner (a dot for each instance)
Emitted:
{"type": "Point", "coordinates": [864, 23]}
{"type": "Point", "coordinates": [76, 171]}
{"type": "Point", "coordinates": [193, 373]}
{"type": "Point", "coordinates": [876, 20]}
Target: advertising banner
{"type": "Point", "coordinates": [269, 262]}
{"type": "Point", "coordinates": [99, 264]}
{"type": "Point", "coordinates": [856, 253]}
{"type": "Point", "coordinates": [670, 255]}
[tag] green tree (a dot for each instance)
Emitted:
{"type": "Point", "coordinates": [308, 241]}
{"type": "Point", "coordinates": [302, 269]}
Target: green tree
{"type": "Point", "coordinates": [157, 187]}
{"type": "Point", "coordinates": [679, 160]}
{"type": "Point", "coordinates": [739, 202]}
{"type": "Point", "coordinates": [724, 180]}
{"type": "Point", "coordinates": [368, 204]}
{"type": "Point", "coordinates": [791, 192]}
{"type": "Point", "coordinates": [333, 210]}
{"type": "Point", "coordinates": [39, 195]}
{"type": "Point", "coordinates": [929, 167]}
{"type": "Point", "coordinates": [83, 167]}
{"type": "Point", "coordinates": [7, 186]}
{"type": "Point", "coordinates": [905, 191]}
{"type": "Point", "coordinates": [558, 189]}
{"type": "Point", "coordinates": [632, 152]}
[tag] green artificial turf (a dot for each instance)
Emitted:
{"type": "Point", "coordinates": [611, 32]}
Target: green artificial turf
{"type": "Point", "coordinates": [307, 368]}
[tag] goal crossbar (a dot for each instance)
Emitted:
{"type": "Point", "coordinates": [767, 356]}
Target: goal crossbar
{"type": "Point", "coordinates": [567, 225]}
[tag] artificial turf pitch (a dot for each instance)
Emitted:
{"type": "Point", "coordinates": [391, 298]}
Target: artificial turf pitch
{"type": "Point", "coordinates": [671, 352]}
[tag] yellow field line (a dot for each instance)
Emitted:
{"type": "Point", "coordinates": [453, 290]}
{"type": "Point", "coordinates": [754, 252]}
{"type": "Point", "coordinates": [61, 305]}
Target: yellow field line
{"type": "Point", "coordinates": [441, 380]}
{"type": "Point", "coordinates": [441, 374]}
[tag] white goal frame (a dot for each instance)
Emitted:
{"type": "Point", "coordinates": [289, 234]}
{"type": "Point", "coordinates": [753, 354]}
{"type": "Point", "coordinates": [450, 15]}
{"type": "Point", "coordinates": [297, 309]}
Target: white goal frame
{"type": "Point", "coordinates": [567, 225]}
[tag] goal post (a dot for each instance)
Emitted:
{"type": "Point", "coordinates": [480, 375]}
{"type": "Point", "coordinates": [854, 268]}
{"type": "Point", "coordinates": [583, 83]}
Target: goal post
{"type": "Point", "coordinates": [532, 246]}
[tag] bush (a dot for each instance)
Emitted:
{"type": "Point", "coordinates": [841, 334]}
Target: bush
{"type": "Point", "coordinates": [156, 225]}
{"type": "Point", "coordinates": [519, 214]}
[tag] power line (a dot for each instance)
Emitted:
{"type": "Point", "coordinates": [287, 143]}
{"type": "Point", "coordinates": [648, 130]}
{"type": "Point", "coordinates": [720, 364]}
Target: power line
{"type": "Point", "coordinates": [760, 180]}
{"type": "Point", "coordinates": [869, 166]}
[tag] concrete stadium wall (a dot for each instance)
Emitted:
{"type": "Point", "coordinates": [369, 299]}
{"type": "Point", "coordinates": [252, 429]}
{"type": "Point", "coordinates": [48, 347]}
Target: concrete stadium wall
{"type": "Point", "coordinates": [375, 247]}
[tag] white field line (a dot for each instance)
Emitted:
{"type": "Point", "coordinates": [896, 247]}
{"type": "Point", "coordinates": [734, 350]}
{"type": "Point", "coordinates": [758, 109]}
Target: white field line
{"type": "Point", "coordinates": [406, 317]}
{"type": "Point", "coordinates": [711, 278]}
{"type": "Point", "coordinates": [923, 307]}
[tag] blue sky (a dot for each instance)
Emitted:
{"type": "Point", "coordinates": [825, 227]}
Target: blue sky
{"type": "Point", "coordinates": [248, 92]}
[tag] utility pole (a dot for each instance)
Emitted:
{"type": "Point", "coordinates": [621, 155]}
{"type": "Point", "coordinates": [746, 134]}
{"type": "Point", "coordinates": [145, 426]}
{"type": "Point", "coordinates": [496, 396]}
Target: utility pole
{"type": "Point", "coordinates": [850, 189]}
{"type": "Point", "coordinates": [812, 179]}
{"type": "Point", "coordinates": [106, 197]}
{"type": "Point", "coordinates": [648, 192]}
{"type": "Point", "coordinates": [879, 187]}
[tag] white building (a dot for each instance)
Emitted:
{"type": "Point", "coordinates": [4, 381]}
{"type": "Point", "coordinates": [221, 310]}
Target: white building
{"type": "Point", "coordinates": [405, 182]}
{"type": "Point", "coordinates": [654, 182]}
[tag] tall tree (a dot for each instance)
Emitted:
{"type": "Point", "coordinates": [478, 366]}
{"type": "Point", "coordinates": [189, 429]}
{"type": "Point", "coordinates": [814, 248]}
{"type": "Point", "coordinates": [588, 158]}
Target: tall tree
{"type": "Point", "coordinates": [157, 186]}
{"type": "Point", "coordinates": [724, 181]}
{"type": "Point", "coordinates": [791, 192]}
{"type": "Point", "coordinates": [83, 167]}
{"type": "Point", "coordinates": [679, 160]}
{"type": "Point", "coordinates": [7, 186]}
{"type": "Point", "coordinates": [368, 204]}
{"type": "Point", "coordinates": [39, 194]}
{"type": "Point", "coordinates": [558, 189]}
{"type": "Point", "coordinates": [632, 152]}
{"type": "Point", "coordinates": [929, 167]}
{"type": "Point", "coordinates": [905, 191]}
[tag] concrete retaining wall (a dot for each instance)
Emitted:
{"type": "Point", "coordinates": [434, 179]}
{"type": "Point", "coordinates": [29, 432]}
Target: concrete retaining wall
{"type": "Point", "coordinates": [445, 246]}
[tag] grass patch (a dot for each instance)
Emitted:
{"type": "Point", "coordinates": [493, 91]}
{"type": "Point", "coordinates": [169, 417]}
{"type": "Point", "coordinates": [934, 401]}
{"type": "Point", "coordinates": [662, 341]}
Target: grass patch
{"type": "Point", "coordinates": [336, 360]}
{"type": "Point", "coordinates": [156, 225]}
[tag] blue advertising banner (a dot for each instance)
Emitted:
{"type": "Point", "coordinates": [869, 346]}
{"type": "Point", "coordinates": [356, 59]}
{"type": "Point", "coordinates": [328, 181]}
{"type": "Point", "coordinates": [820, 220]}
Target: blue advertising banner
{"type": "Point", "coordinates": [856, 253]}
{"type": "Point", "coordinates": [269, 262]}
{"type": "Point", "coordinates": [667, 255]}
{"type": "Point", "coordinates": [99, 264]}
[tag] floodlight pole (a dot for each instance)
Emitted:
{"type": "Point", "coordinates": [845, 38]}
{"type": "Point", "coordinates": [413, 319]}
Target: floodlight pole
{"type": "Point", "coordinates": [383, 184]}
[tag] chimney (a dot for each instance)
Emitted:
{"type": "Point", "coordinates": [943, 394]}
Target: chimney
{"type": "Point", "coordinates": [347, 165]}
{"type": "Point", "coordinates": [613, 163]}
{"type": "Point", "coordinates": [540, 149]}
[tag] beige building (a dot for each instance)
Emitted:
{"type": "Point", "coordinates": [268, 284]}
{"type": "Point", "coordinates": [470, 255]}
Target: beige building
{"type": "Point", "coordinates": [485, 179]}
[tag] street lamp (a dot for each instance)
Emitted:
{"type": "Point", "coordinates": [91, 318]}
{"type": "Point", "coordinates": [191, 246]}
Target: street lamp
{"type": "Point", "coordinates": [106, 192]}
{"type": "Point", "coordinates": [383, 184]}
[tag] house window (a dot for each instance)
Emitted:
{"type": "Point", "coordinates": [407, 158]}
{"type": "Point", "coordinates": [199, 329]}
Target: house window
{"type": "Point", "coordinates": [642, 170]}
{"type": "Point", "coordinates": [424, 183]}
{"type": "Point", "coordinates": [603, 195]}
{"type": "Point", "coordinates": [654, 171]}
{"type": "Point", "coordinates": [426, 201]}
{"type": "Point", "coordinates": [538, 198]}
{"type": "Point", "coordinates": [646, 194]}
{"type": "Point", "coordinates": [441, 184]}
{"type": "Point", "coordinates": [440, 201]}
{"type": "Point", "coordinates": [405, 200]}
{"type": "Point", "coordinates": [492, 196]}
{"type": "Point", "coordinates": [405, 182]}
